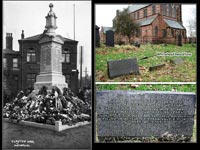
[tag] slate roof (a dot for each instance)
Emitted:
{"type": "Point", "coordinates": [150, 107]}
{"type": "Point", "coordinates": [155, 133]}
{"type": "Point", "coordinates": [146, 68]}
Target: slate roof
{"type": "Point", "coordinates": [9, 51]}
{"type": "Point", "coordinates": [174, 24]}
{"type": "Point", "coordinates": [136, 7]}
{"type": "Point", "coordinates": [147, 21]}
{"type": "Point", "coordinates": [106, 29]}
{"type": "Point", "coordinates": [38, 36]}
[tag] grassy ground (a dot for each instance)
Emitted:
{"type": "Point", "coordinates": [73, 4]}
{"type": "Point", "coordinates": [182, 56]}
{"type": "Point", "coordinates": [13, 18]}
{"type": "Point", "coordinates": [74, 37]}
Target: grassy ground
{"type": "Point", "coordinates": [185, 72]}
{"type": "Point", "coordinates": [149, 87]}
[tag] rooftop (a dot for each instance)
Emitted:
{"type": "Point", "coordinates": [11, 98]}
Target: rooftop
{"type": "Point", "coordinates": [136, 7]}
{"type": "Point", "coordinates": [9, 51]}
{"type": "Point", "coordinates": [39, 36]}
{"type": "Point", "coordinates": [174, 24]}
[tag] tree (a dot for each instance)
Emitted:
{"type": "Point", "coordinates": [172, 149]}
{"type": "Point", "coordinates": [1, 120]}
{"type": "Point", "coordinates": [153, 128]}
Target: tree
{"type": "Point", "coordinates": [192, 24]}
{"type": "Point", "coordinates": [124, 25]}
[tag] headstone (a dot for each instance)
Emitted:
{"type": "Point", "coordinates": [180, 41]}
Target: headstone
{"type": "Point", "coordinates": [179, 40]}
{"type": "Point", "coordinates": [137, 44]}
{"type": "Point", "coordinates": [110, 38]}
{"type": "Point", "coordinates": [97, 36]}
{"type": "Point", "coordinates": [122, 67]}
{"type": "Point", "coordinates": [144, 113]}
{"type": "Point", "coordinates": [177, 61]}
{"type": "Point", "coordinates": [156, 67]}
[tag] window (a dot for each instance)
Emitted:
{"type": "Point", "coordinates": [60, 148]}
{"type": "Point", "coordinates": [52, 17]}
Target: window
{"type": "Point", "coordinates": [137, 33]}
{"type": "Point", "coordinates": [15, 63]}
{"type": "Point", "coordinates": [5, 63]}
{"type": "Point", "coordinates": [156, 31]}
{"type": "Point", "coordinates": [134, 16]}
{"type": "Point", "coordinates": [183, 34]}
{"type": "Point", "coordinates": [138, 15]}
{"type": "Point", "coordinates": [164, 33]}
{"type": "Point", "coordinates": [153, 9]}
{"type": "Point", "coordinates": [145, 12]}
{"type": "Point", "coordinates": [172, 31]}
{"type": "Point", "coordinates": [163, 9]}
{"type": "Point", "coordinates": [30, 79]}
{"type": "Point", "coordinates": [31, 55]}
{"type": "Point", "coordinates": [174, 11]}
{"type": "Point", "coordinates": [170, 10]}
{"type": "Point", "coordinates": [66, 56]}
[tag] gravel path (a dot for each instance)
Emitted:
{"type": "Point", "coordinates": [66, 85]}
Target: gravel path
{"type": "Point", "coordinates": [35, 138]}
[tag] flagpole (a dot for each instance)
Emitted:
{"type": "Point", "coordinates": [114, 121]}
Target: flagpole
{"type": "Point", "coordinates": [74, 21]}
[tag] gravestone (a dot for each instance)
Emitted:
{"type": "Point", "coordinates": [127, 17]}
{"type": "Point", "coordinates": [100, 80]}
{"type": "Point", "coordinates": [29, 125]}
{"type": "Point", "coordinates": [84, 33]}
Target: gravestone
{"type": "Point", "coordinates": [97, 36]}
{"type": "Point", "coordinates": [110, 38]}
{"type": "Point", "coordinates": [50, 56]}
{"type": "Point", "coordinates": [156, 67]}
{"type": "Point", "coordinates": [144, 113]}
{"type": "Point", "coordinates": [179, 40]}
{"type": "Point", "coordinates": [177, 61]}
{"type": "Point", "coordinates": [122, 67]}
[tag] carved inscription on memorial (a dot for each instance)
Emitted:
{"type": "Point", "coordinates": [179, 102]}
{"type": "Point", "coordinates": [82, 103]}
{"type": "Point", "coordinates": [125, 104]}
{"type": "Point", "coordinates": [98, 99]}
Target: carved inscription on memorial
{"type": "Point", "coordinates": [51, 57]}
{"type": "Point", "coordinates": [45, 64]}
{"type": "Point", "coordinates": [126, 113]}
{"type": "Point", "coordinates": [56, 53]}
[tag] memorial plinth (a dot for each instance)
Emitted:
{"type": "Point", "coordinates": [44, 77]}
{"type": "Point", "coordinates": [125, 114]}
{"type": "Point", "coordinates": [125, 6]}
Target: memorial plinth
{"type": "Point", "coordinates": [50, 64]}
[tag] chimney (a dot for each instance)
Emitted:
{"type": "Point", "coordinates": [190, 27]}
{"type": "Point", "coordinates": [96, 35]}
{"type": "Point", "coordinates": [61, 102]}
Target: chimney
{"type": "Point", "coordinates": [22, 35]}
{"type": "Point", "coordinates": [9, 39]}
{"type": "Point", "coordinates": [117, 12]}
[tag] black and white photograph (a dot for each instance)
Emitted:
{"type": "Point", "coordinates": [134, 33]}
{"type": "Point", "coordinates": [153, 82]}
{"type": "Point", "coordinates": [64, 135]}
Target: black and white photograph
{"type": "Point", "coordinates": [47, 100]}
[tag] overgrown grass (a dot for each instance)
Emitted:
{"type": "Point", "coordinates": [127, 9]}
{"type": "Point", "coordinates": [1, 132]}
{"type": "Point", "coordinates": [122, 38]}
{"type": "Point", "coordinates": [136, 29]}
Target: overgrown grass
{"type": "Point", "coordinates": [149, 87]}
{"type": "Point", "coordinates": [185, 72]}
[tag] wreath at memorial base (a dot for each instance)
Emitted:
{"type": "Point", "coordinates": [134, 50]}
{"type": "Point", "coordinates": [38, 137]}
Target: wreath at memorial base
{"type": "Point", "coordinates": [44, 107]}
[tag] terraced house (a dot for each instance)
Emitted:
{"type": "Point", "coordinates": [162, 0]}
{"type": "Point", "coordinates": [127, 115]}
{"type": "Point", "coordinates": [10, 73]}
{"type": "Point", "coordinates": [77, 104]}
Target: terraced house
{"type": "Point", "coordinates": [159, 23]}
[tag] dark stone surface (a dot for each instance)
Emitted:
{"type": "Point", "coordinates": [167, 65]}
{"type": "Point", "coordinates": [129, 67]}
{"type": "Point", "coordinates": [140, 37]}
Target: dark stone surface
{"type": "Point", "coordinates": [179, 40]}
{"type": "Point", "coordinates": [137, 44]}
{"type": "Point", "coordinates": [177, 61]}
{"type": "Point", "coordinates": [122, 67]}
{"type": "Point", "coordinates": [97, 36]}
{"type": "Point", "coordinates": [110, 38]}
{"type": "Point", "coordinates": [144, 113]}
{"type": "Point", "coordinates": [152, 68]}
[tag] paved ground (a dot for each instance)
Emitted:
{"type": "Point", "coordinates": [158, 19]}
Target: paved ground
{"type": "Point", "coordinates": [35, 138]}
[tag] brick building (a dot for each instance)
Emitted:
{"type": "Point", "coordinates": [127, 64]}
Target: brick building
{"type": "Point", "coordinates": [21, 67]}
{"type": "Point", "coordinates": [159, 23]}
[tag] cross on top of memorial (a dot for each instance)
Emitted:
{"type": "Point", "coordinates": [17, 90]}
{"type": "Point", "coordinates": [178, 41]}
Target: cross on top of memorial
{"type": "Point", "coordinates": [50, 21]}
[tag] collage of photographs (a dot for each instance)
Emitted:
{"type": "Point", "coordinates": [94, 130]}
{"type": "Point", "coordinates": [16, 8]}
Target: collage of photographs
{"type": "Point", "coordinates": [82, 74]}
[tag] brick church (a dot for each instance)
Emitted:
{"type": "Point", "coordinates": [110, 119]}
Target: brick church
{"type": "Point", "coordinates": [20, 68]}
{"type": "Point", "coordinates": [159, 23]}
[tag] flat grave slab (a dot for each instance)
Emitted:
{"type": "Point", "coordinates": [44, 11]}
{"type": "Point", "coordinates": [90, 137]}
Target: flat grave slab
{"type": "Point", "coordinates": [144, 113]}
{"type": "Point", "coordinates": [177, 61]}
{"type": "Point", "coordinates": [122, 67]}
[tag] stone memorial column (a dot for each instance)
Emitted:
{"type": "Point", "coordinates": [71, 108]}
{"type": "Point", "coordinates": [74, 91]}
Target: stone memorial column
{"type": "Point", "coordinates": [50, 56]}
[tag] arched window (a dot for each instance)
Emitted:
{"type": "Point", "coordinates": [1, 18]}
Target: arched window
{"type": "Point", "coordinates": [66, 55]}
{"type": "Point", "coordinates": [170, 10]}
{"type": "Point", "coordinates": [155, 31]}
{"type": "Point", "coordinates": [31, 55]}
{"type": "Point", "coordinates": [153, 9]}
{"type": "Point", "coordinates": [164, 9]}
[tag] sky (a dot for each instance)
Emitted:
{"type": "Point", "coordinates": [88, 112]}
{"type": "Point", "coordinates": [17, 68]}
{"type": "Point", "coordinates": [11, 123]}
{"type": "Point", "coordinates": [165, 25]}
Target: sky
{"type": "Point", "coordinates": [104, 14]}
{"type": "Point", "coordinates": [30, 17]}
